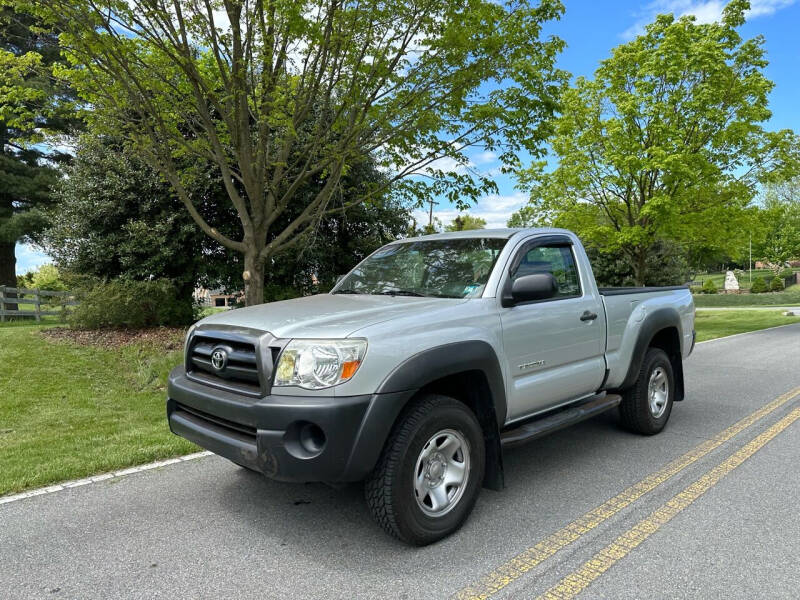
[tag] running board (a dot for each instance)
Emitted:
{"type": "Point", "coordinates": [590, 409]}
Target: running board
{"type": "Point", "coordinates": [563, 418]}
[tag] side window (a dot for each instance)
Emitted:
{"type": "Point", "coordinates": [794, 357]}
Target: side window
{"type": "Point", "coordinates": [556, 260]}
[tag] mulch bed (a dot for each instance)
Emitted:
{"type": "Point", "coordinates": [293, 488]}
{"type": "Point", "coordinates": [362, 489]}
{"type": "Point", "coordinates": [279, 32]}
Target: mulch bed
{"type": "Point", "coordinates": [167, 338]}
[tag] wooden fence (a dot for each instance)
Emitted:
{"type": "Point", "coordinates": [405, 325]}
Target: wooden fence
{"type": "Point", "coordinates": [25, 297]}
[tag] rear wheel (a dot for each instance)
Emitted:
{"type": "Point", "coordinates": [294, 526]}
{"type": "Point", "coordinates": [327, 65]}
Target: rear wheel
{"type": "Point", "coordinates": [647, 405]}
{"type": "Point", "coordinates": [429, 474]}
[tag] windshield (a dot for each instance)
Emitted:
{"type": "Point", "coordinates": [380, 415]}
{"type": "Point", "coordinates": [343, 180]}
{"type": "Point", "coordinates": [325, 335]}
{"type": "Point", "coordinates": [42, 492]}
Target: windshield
{"type": "Point", "coordinates": [455, 268]}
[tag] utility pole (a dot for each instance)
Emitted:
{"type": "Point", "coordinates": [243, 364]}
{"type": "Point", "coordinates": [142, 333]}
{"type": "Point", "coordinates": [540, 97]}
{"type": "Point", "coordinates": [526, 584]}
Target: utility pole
{"type": "Point", "coordinates": [751, 258]}
{"type": "Point", "coordinates": [430, 215]}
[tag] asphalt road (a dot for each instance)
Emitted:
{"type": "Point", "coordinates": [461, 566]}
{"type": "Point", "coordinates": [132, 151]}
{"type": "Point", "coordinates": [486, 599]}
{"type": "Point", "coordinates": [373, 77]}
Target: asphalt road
{"type": "Point", "coordinates": [207, 529]}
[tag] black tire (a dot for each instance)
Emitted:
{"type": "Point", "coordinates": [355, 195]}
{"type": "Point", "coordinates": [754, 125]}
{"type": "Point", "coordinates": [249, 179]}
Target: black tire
{"type": "Point", "coordinates": [635, 409]}
{"type": "Point", "coordinates": [390, 489]}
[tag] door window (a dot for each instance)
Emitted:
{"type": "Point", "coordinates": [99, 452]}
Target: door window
{"type": "Point", "coordinates": [556, 260]}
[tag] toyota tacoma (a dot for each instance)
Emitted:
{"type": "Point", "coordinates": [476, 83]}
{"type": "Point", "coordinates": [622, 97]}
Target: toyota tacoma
{"type": "Point", "coordinates": [426, 360]}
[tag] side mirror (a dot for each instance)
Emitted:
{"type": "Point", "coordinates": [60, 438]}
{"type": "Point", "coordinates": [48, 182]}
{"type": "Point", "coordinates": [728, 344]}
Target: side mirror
{"type": "Point", "coordinates": [539, 286]}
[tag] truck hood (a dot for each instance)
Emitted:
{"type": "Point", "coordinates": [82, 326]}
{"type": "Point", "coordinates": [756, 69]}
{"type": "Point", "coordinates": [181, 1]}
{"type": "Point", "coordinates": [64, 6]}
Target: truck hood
{"type": "Point", "coordinates": [326, 315]}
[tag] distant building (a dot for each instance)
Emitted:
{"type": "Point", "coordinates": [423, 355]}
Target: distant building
{"type": "Point", "coordinates": [216, 298]}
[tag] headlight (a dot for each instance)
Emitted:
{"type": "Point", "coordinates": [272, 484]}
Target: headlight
{"type": "Point", "coordinates": [317, 364]}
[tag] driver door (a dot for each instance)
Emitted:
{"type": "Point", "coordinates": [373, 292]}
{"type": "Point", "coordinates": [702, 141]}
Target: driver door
{"type": "Point", "coordinates": [554, 347]}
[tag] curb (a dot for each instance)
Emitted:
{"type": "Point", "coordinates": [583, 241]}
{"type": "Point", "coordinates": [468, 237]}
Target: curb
{"type": "Point", "coordinates": [50, 489]}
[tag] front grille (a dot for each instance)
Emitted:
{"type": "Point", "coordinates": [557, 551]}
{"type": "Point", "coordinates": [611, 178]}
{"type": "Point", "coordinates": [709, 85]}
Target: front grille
{"type": "Point", "coordinates": [246, 430]}
{"type": "Point", "coordinates": [240, 373]}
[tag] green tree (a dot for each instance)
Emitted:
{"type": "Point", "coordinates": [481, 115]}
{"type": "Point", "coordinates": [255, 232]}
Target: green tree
{"type": "Point", "coordinates": [338, 244]}
{"type": "Point", "coordinates": [116, 217]}
{"type": "Point", "coordinates": [666, 265]}
{"type": "Point", "coordinates": [466, 222]}
{"type": "Point", "coordinates": [665, 142]}
{"type": "Point", "coordinates": [278, 93]}
{"type": "Point", "coordinates": [527, 216]}
{"type": "Point", "coordinates": [779, 239]}
{"type": "Point", "coordinates": [35, 108]}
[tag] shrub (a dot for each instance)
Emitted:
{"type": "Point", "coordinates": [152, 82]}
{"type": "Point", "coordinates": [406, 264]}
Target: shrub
{"type": "Point", "coordinates": [776, 285]}
{"type": "Point", "coordinates": [709, 287]}
{"type": "Point", "coordinates": [759, 286]}
{"type": "Point", "coordinates": [786, 273]}
{"type": "Point", "coordinates": [131, 304]}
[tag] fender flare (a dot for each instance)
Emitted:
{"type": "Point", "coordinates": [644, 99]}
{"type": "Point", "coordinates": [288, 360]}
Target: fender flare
{"type": "Point", "coordinates": [449, 359]}
{"type": "Point", "coordinates": [658, 320]}
{"type": "Point", "coordinates": [435, 363]}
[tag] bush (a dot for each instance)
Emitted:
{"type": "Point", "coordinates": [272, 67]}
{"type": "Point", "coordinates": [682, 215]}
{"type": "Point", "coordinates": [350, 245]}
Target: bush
{"type": "Point", "coordinates": [786, 273]}
{"type": "Point", "coordinates": [759, 286]}
{"type": "Point", "coordinates": [709, 287]}
{"type": "Point", "coordinates": [131, 304]}
{"type": "Point", "coordinates": [776, 285]}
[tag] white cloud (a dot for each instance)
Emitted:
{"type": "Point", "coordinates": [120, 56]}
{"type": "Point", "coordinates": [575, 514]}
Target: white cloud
{"type": "Point", "coordinates": [485, 157]}
{"type": "Point", "coordinates": [705, 11]}
{"type": "Point", "coordinates": [494, 209]}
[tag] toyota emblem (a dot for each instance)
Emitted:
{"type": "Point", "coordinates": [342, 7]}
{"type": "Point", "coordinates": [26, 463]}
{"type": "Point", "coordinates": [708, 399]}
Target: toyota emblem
{"type": "Point", "coordinates": [219, 359]}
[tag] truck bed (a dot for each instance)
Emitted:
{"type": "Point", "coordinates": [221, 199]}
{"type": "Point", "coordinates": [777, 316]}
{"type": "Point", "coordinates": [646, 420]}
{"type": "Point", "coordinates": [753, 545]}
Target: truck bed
{"type": "Point", "coordinates": [627, 307]}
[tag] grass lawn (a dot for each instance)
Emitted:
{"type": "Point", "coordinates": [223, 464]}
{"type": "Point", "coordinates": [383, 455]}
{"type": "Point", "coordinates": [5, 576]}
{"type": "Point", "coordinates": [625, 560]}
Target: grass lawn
{"type": "Point", "coordinates": [67, 411]}
{"type": "Point", "coordinates": [711, 324]}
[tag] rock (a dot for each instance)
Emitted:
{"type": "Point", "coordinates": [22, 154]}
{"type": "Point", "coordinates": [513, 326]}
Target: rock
{"type": "Point", "coordinates": [731, 283]}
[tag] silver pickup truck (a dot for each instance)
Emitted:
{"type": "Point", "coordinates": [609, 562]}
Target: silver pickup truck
{"type": "Point", "coordinates": [426, 360]}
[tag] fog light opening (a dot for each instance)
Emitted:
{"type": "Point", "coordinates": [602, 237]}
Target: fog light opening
{"type": "Point", "coordinates": [312, 438]}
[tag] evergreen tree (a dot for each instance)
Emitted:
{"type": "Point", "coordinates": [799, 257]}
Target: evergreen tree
{"type": "Point", "coordinates": [36, 110]}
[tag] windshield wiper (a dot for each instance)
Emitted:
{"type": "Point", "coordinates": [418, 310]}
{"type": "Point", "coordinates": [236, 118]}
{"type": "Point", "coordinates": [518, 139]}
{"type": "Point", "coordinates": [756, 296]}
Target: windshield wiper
{"type": "Point", "coordinates": [401, 293]}
{"type": "Point", "coordinates": [347, 292]}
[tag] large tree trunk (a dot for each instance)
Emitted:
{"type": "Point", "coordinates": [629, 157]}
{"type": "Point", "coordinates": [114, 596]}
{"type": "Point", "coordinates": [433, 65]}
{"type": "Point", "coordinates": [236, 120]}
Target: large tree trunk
{"type": "Point", "coordinates": [8, 270]}
{"type": "Point", "coordinates": [253, 277]}
{"type": "Point", "coordinates": [640, 266]}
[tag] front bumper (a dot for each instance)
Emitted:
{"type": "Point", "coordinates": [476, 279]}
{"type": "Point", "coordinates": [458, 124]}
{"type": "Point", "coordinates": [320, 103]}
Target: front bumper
{"type": "Point", "coordinates": [288, 438]}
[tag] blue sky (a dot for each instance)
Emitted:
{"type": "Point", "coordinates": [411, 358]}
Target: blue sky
{"type": "Point", "coordinates": [591, 29]}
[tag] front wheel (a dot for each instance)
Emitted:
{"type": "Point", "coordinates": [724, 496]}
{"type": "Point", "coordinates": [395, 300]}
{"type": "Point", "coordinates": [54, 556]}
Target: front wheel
{"type": "Point", "coordinates": [646, 406]}
{"type": "Point", "coordinates": [430, 472]}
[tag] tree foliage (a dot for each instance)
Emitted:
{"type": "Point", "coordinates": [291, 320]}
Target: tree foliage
{"type": "Point", "coordinates": [338, 244]}
{"type": "Point", "coordinates": [666, 142]}
{"type": "Point", "coordinates": [666, 265]}
{"type": "Point", "coordinates": [779, 239]}
{"type": "Point", "coordinates": [116, 217]}
{"type": "Point", "coordinates": [35, 109]}
{"type": "Point", "coordinates": [466, 222]}
{"type": "Point", "coordinates": [279, 93]}
{"type": "Point", "coordinates": [46, 277]}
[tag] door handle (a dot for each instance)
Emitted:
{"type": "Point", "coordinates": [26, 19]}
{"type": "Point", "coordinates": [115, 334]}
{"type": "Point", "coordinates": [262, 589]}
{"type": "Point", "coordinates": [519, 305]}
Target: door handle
{"type": "Point", "coordinates": [588, 316]}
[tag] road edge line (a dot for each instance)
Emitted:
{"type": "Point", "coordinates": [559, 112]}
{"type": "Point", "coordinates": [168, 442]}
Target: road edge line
{"type": "Point", "coordinates": [73, 483]}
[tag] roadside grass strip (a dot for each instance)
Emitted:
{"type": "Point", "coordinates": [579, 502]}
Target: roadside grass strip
{"type": "Point", "coordinates": [102, 477]}
{"type": "Point", "coordinates": [516, 567]}
{"type": "Point", "coordinates": [579, 580]}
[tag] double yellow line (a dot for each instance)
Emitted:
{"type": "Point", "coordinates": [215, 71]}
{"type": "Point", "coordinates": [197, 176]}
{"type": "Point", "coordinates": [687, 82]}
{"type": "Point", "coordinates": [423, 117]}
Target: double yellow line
{"type": "Point", "coordinates": [513, 569]}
